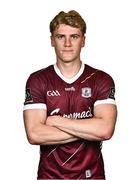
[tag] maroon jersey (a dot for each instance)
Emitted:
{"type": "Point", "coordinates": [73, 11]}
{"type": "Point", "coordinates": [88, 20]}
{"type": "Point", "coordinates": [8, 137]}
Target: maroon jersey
{"type": "Point", "coordinates": [72, 98]}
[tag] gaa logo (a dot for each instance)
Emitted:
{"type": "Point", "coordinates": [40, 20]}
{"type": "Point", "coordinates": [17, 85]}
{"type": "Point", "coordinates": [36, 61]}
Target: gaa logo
{"type": "Point", "coordinates": [53, 93]}
{"type": "Point", "coordinates": [86, 92]}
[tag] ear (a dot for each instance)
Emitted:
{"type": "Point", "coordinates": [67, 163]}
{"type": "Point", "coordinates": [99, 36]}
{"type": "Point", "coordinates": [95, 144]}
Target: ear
{"type": "Point", "coordinates": [83, 41]}
{"type": "Point", "coordinates": [52, 41]}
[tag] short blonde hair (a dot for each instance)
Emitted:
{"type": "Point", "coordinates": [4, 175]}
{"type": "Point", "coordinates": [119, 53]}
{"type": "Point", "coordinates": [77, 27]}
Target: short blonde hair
{"type": "Point", "coordinates": [71, 18]}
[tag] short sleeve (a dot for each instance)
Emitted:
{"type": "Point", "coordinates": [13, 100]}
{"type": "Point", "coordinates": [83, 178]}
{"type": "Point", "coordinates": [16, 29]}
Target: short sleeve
{"type": "Point", "coordinates": [34, 93]}
{"type": "Point", "coordinates": [105, 88]}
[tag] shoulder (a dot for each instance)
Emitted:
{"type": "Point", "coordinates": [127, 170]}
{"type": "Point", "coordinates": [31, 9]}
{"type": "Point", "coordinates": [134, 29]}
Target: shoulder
{"type": "Point", "coordinates": [103, 85]}
{"type": "Point", "coordinates": [42, 72]}
{"type": "Point", "coordinates": [89, 69]}
{"type": "Point", "coordinates": [97, 73]}
{"type": "Point", "coordinates": [40, 76]}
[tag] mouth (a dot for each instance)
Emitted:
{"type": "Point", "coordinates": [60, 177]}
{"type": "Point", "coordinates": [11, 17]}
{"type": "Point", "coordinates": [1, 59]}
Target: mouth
{"type": "Point", "coordinates": [67, 51]}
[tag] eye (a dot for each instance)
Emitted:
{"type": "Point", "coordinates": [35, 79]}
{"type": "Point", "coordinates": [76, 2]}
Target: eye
{"type": "Point", "coordinates": [60, 36]}
{"type": "Point", "coordinates": [74, 36]}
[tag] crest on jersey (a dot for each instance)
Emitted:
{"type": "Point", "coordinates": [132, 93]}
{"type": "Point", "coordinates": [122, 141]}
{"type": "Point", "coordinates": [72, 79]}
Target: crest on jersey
{"type": "Point", "coordinates": [86, 92]}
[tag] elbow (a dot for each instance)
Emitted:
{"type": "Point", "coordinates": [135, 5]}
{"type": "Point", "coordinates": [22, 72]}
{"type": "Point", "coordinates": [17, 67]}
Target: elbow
{"type": "Point", "coordinates": [107, 137]}
{"type": "Point", "coordinates": [107, 134]}
{"type": "Point", "coordinates": [33, 139]}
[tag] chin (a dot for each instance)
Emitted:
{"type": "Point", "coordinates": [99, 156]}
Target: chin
{"type": "Point", "coordinates": [67, 60]}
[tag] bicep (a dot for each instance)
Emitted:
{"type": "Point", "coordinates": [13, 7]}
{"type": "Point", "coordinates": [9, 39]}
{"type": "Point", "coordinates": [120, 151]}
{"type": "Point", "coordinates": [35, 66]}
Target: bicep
{"type": "Point", "coordinates": [107, 113]}
{"type": "Point", "coordinates": [34, 117]}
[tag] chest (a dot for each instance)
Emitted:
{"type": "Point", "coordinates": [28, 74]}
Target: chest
{"type": "Point", "coordinates": [70, 100]}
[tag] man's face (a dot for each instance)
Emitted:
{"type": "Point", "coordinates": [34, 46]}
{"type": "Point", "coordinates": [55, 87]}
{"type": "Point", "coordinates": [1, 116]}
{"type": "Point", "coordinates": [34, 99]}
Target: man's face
{"type": "Point", "coordinates": [67, 42]}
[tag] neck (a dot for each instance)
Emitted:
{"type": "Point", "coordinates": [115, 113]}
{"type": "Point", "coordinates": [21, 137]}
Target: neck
{"type": "Point", "coordinates": [69, 69]}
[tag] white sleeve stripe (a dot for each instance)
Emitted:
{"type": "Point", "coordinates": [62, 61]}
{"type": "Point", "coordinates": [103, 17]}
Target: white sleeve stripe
{"type": "Point", "coordinates": [105, 101]}
{"type": "Point", "coordinates": [35, 106]}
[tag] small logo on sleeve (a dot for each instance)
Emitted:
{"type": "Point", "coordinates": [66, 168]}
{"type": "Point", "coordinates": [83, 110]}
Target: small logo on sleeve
{"type": "Point", "coordinates": [112, 93]}
{"type": "Point", "coordinates": [28, 96]}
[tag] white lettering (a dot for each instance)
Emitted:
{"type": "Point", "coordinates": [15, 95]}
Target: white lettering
{"type": "Point", "coordinates": [55, 111]}
{"type": "Point", "coordinates": [53, 93]}
{"type": "Point", "coordinates": [75, 115]}
{"type": "Point", "coordinates": [70, 89]}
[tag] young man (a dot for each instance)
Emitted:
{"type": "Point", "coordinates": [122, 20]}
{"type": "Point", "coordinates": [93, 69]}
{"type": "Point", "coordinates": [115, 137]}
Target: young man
{"type": "Point", "coordinates": [69, 107]}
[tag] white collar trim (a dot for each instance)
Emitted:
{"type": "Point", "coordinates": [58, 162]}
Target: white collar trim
{"type": "Point", "coordinates": [67, 80]}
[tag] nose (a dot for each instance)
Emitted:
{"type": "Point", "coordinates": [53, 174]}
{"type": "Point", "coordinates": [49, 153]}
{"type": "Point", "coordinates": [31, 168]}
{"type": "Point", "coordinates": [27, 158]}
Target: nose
{"type": "Point", "coordinates": [67, 42]}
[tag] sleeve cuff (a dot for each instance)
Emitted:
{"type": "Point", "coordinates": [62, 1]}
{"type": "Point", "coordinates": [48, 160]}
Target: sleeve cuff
{"type": "Point", "coordinates": [35, 106]}
{"type": "Point", "coordinates": [105, 101]}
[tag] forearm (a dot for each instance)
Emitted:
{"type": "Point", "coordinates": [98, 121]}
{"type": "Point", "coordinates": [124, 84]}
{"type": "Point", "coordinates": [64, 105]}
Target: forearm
{"type": "Point", "coordinates": [89, 129]}
{"type": "Point", "coordinates": [43, 134]}
{"type": "Point", "coordinates": [100, 127]}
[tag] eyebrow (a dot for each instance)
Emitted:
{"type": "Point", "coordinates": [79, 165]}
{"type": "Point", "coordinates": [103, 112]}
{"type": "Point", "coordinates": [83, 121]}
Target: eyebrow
{"type": "Point", "coordinates": [59, 34]}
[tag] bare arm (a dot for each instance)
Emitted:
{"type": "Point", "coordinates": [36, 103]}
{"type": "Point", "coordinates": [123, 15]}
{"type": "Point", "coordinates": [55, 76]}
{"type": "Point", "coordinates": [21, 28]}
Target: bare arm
{"type": "Point", "coordinates": [41, 134]}
{"type": "Point", "coordinates": [100, 127]}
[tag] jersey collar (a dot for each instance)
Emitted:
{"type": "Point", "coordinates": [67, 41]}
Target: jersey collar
{"type": "Point", "coordinates": [67, 80]}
